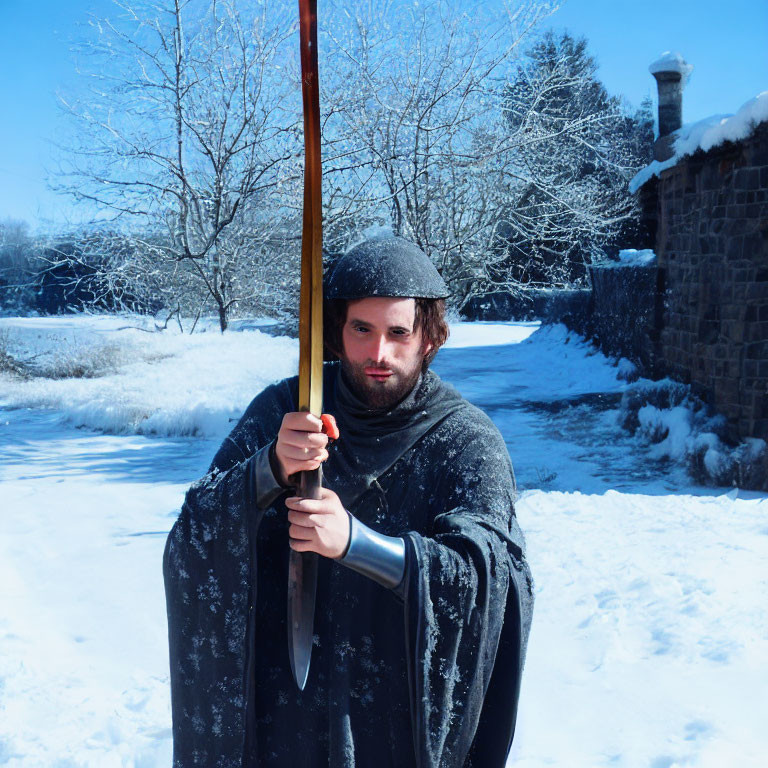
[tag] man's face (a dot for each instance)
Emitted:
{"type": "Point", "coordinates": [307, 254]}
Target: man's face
{"type": "Point", "coordinates": [383, 353]}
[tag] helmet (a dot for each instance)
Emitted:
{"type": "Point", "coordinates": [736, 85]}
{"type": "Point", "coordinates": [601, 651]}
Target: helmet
{"type": "Point", "coordinates": [385, 266]}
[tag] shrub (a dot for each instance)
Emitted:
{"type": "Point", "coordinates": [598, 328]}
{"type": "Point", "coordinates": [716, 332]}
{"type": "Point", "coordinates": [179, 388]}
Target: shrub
{"type": "Point", "coordinates": [668, 416]}
{"type": "Point", "coordinates": [8, 362]}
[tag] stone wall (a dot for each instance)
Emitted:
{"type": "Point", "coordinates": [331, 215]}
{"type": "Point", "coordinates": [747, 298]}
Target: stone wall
{"type": "Point", "coordinates": [711, 240]}
{"type": "Point", "coordinates": [626, 311]}
{"type": "Point", "coordinates": [551, 305]}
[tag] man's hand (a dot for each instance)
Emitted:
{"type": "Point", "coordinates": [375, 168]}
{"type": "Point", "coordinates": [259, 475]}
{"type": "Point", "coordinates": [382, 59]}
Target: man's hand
{"type": "Point", "coordinates": [301, 444]}
{"type": "Point", "coordinates": [320, 526]}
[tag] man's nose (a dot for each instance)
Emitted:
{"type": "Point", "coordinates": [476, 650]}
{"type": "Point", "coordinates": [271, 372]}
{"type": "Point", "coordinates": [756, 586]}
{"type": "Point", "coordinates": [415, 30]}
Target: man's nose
{"type": "Point", "coordinates": [379, 348]}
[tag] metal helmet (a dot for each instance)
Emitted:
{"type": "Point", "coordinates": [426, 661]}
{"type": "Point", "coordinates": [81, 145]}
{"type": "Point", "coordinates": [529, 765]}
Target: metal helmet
{"type": "Point", "coordinates": [385, 266]}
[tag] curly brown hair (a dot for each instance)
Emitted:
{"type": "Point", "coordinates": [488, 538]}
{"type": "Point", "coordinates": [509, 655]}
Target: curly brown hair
{"type": "Point", "coordinates": [429, 318]}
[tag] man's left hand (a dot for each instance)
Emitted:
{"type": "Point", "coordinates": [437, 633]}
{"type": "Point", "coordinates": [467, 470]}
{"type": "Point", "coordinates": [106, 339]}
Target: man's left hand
{"type": "Point", "coordinates": [320, 525]}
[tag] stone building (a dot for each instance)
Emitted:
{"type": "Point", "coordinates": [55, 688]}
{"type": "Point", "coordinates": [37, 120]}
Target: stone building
{"type": "Point", "coordinates": [704, 202]}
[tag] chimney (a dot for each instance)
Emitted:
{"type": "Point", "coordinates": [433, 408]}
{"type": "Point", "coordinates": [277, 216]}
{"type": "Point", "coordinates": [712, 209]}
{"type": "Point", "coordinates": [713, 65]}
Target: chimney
{"type": "Point", "coordinates": [671, 72]}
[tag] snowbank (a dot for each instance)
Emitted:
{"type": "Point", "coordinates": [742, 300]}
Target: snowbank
{"type": "Point", "coordinates": [708, 133]}
{"type": "Point", "coordinates": [112, 375]}
{"type": "Point", "coordinates": [676, 425]}
{"type": "Point", "coordinates": [489, 334]}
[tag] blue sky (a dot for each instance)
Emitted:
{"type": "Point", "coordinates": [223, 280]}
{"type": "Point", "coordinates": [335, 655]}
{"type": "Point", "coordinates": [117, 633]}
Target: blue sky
{"type": "Point", "coordinates": [725, 41]}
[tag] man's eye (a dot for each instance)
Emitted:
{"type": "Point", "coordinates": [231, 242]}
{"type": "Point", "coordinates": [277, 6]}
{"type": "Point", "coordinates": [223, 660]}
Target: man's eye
{"type": "Point", "coordinates": [361, 329]}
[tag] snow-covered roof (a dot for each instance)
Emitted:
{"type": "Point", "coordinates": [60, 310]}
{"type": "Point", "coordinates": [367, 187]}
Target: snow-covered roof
{"type": "Point", "coordinates": [672, 61]}
{"type": "Point", "coordinates": [707, 133]}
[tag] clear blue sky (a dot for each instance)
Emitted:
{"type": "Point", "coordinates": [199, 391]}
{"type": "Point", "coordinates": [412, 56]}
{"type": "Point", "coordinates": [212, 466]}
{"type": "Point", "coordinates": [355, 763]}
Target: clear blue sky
{"type": "Point", "coordinates": [726, 41]}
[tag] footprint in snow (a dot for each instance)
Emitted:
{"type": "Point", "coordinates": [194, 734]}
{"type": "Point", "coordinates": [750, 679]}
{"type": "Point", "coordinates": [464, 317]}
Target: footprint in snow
{"type": "Point", "coordinates": [696, 729]}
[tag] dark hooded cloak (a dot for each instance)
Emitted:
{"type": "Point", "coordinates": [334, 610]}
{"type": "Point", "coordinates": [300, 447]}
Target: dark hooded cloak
{"type": "Point", "coordinates": [431, 681]}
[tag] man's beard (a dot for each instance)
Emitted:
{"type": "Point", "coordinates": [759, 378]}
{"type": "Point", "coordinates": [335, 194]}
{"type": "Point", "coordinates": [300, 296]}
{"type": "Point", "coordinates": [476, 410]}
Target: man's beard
{"type": "Point", "coordinates": [379, 394]}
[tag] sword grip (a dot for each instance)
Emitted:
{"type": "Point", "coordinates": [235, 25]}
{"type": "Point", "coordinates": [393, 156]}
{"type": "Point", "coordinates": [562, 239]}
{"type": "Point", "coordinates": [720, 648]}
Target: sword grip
{"type": "Point", "coordinates": [310, 483]}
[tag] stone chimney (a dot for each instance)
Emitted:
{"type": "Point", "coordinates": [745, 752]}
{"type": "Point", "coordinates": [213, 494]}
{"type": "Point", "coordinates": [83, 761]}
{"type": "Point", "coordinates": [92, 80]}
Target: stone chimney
{"type": "Point", "coordinates": [671, 72]}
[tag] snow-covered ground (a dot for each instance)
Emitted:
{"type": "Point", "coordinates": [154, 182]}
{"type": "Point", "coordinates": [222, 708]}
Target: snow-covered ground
{"type": "Point", "coordinates": [140, 382]}
{"type": "Point", "coordinates": [650, 638]}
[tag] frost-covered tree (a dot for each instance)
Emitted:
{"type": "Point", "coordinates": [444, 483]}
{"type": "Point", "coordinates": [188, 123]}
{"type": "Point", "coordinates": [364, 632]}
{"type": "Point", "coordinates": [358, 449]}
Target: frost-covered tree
{"type": "Point", "coordinates": [505, 171]}
{"type": "Point", "coordinates": [417, 139]}
{"type": "Point", "coordinates": [184, 138]}
{"type": "Point", "coordinates": [575, 148]}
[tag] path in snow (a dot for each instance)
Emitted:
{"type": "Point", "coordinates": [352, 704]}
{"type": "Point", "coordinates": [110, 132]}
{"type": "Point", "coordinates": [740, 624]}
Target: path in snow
{"type": "Point", "coordinates": [649, 640]}
{"type": "Point", "coordinates": [554, 400]}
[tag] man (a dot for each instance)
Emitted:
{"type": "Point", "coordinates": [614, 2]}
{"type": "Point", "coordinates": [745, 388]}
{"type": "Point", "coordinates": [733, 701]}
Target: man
{"type": "Point", "coordinates": [424, 596]}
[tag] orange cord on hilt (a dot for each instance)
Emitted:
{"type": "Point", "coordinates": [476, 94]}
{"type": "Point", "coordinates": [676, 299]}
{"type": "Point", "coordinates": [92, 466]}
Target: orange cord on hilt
{"type": "Point", "coordinates": [329, 426]}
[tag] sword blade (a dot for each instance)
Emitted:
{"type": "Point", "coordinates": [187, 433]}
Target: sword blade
{"type": "Point", "coordinates": [302, 584]}
{"type": "Point", "coordinates": [302, 566]}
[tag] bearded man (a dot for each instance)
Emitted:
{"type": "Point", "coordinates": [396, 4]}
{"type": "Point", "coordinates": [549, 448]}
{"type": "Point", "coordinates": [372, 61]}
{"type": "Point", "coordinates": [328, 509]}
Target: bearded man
{"type": "Point", "coordinates": [424, 596]}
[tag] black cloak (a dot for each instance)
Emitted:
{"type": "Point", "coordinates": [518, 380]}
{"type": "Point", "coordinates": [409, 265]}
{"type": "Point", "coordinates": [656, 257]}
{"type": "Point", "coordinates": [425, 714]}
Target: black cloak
{"type": "Point", "coordinates": [431, 681]}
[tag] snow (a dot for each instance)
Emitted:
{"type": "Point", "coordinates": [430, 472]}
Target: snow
{"type": "Point", "coordinates": [168, 383]}
{"type": "Point", "coordinates": [491, 334]}
{"type": "Point", "coordinates": [679, 426]}
{"type": "Point", "coordinates": [650, 638]}
{"type": "Point", "coordinates": [672, 61]}
{"type": "Point", "coordinates": [674, 421]}
{"type": "Point", "coordinates": [374, 231]}
{"type": "Point", "coordinates": [153, 383]}
{"type": "Point", "coordinates": [83, 673]}
{"type": "Point", "coordinates": [631, 257]}
{"type": "Point", "coordinates": [649, 643]}
{"type": "Point", "coordinates": [708, 133]}
{"type": "Point", "coordinates": [627, 370]}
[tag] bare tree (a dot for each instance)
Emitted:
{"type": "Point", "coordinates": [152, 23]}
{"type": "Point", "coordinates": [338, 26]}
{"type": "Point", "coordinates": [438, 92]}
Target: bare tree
{"type": "Point", "coordinates": [185, 139]}
{"type": "Point", "coordinates": [508, 170]}
{"type": "Point", "coordinates": [502, 169]}
{"type": "Point", "coordinates": [408, 143]}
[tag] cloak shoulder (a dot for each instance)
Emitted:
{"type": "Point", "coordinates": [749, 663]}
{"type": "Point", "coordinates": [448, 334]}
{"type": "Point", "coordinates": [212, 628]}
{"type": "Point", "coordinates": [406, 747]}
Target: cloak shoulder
{"type": "Point", "coordinates": [469, 598]}
{"type": "Point", "coordinates": [206, 567]}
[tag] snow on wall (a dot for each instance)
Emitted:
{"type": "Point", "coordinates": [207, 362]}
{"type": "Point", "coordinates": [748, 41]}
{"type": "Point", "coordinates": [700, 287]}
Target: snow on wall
{"type": "Point", "coordinates": [707, 133]}
{"type": "Point", "coordinates": [631, 257]}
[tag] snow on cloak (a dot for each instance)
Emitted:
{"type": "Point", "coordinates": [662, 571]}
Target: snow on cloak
{"type": "Point", "coordinates": [466, 614]}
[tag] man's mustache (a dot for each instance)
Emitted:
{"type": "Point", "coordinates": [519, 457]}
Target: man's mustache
{"type": "Point", "coordinates": [370, 365]}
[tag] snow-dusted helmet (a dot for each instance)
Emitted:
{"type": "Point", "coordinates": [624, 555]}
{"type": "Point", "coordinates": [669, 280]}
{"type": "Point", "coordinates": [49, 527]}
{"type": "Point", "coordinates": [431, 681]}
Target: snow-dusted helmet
{"type": "Point", "coordinates": [385, 266]}
{"type": "Point", "coordinates": [392, 267]}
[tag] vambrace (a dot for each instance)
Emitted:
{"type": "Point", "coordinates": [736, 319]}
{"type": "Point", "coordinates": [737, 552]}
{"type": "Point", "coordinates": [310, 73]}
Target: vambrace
{"type": "Point", "coordinates": [379, 557]}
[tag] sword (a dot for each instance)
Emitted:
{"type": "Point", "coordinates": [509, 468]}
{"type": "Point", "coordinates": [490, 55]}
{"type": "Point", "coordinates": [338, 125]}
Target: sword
{"type": "Point", "coordinates": [302, 566]}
